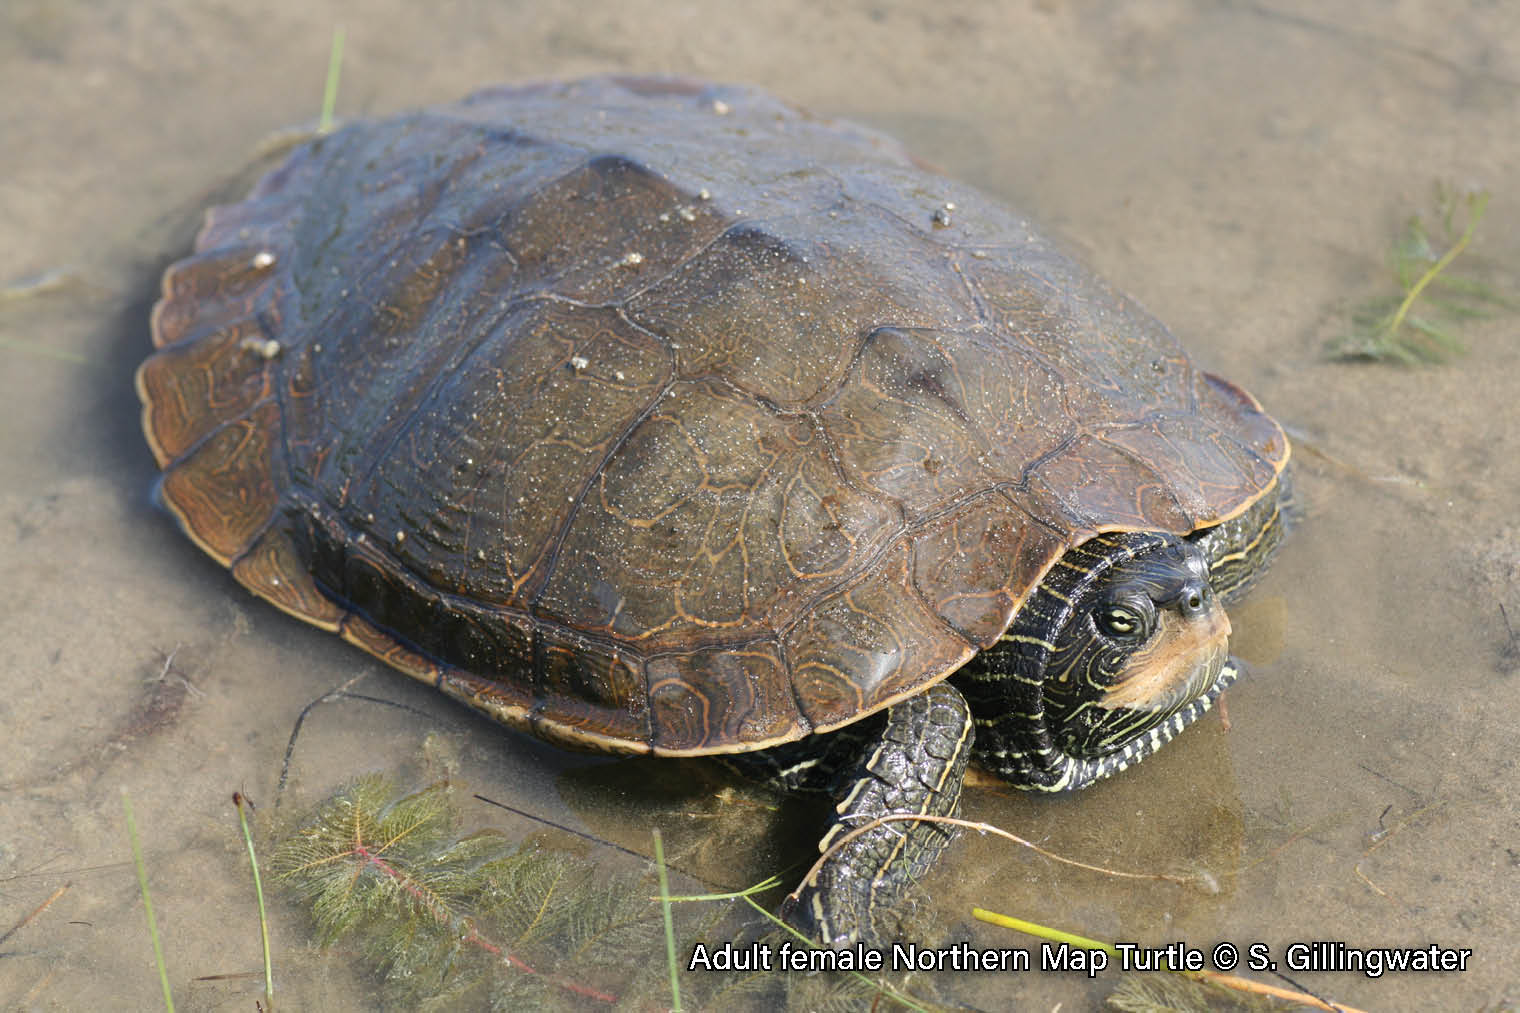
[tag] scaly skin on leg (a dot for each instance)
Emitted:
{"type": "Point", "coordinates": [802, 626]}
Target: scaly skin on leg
{"type": "Point", "coordinates": [915, 766]}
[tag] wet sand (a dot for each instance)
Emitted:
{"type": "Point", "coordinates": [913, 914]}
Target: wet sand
{"type": "Point", "coordinates": [1240, 168]}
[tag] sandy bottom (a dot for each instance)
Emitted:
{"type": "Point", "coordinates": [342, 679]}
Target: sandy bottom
{"type": "Point", "coordinates": [1239, 167]}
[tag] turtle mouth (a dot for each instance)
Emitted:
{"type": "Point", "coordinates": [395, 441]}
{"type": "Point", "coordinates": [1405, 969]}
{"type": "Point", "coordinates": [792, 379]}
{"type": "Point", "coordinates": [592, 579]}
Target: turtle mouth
{"type": "Point", "coordinates": [1062, 770]}
{"type": "Point", "coordinates": [1158, 733]}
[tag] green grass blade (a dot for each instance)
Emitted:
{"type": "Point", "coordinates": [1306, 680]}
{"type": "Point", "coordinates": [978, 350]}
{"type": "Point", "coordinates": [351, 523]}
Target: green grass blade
{"type": "Point", "coordinates": [768, 883]}
{"type": "Point", "coordinates": [258, 890]}
{"type": "Point", "coordinates": [1043, 931]}
{"type": "Point", "coordinates": [670, 929]}
{"type": "Point", "coordinates": [330, 89]}
{"type": "Point", "coordinates": [142, 883]}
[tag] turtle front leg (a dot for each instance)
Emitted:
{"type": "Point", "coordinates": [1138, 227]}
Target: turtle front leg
{"type": "Point", "coordinates": [914, 766]}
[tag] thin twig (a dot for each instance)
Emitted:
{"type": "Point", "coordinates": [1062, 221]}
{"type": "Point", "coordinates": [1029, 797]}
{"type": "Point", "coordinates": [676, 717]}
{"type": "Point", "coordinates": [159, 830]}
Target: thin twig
{"type": "Point", "coordinates": [295, 731]}
{"type": "Point", "coordinates": [1513, 648]}
{"type": "Point", "coordinates": [35, 912]}
{"type": "Point", "coordinates": [1385, 837]}
{"type": "Point", "coordinates": [168, 670]}
{"type": "Point", "coordinates": [563, 828]}
{"type": "Point", "coordinates": [984, 828]}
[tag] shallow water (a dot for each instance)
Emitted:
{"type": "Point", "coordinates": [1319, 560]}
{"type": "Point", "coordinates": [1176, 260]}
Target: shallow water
{"type": "Point", "coordinates": [1239, 167]}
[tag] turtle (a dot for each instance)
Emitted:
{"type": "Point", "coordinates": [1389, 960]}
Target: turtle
{"type": "Point", "coordinates": [653, 416]}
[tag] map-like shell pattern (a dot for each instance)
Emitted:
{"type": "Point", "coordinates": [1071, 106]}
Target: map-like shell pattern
{"type": "Point", "coordinates": [646, 414]}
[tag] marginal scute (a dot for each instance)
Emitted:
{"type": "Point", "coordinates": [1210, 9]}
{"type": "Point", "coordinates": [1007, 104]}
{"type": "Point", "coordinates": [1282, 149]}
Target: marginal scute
{"type": "Point", "coordinates": [370, 581]}
{"type": "Point", "coordinates": [226, 491]}
{"type": "Point", "coordinates": [364, 634]}
{"type": "Point", "coordinates": [210, 291]}
{"type": "Point", "coordinates": [590, 688]}
{"type": "Point", "coordinates": [721, 695]}
{"type": "Point", "coordinates": [192, 387]}
{"type": "Point", "coordinates": [1239, 419]}
{"type": "Point", "coordinates": [1197, 471]}
{"type": "Point", "coordinates": [274, 570]}
{"type": "Point", "coordinates": [504, 701]}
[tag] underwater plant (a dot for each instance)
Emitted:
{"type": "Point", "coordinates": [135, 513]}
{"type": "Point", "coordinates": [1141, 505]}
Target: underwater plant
{"type": "Point", "coordinates": [450, 919]}
{"type": "Point", "coordinates": [1418, 322]}
{"type": "Point", "coordinates": [479, 921]}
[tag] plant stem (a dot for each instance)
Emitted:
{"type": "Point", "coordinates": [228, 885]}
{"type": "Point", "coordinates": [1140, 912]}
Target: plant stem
{"type": "Point", "coordinates": [1043, 931]}
{"type": "Point", "coordinates": [670, 931]}
{"type": "Point", "coordinates": [330, 89]}
{"type": "Point", "coordinates": [258, 889]}
{"type": "Point", "coordinates": [466, 927]}
{"type": "Point", "coordinates": [1476, 205]}
{"type": "Point", "coordinates": [142, 883]}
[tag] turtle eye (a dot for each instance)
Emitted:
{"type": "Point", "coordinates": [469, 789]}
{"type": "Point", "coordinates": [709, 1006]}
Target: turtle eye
{"type": "Point", "coordinates": [1120, 622]}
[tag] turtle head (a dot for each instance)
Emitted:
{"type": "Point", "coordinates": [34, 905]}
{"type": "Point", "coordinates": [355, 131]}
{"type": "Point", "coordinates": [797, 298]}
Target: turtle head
{"type": "Point", "coordinates": [1122, 646]}
{"type": "Point", "coordinates": [1148, 638]}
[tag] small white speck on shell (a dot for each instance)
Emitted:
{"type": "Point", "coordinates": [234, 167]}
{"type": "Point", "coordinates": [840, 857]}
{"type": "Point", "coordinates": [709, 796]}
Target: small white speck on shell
{"type": "Point", "coordinates": [265, 348]}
